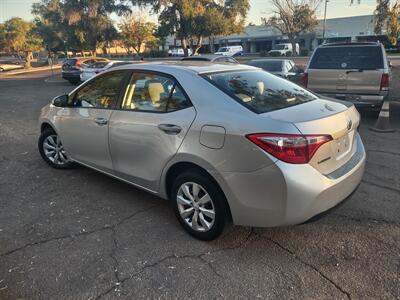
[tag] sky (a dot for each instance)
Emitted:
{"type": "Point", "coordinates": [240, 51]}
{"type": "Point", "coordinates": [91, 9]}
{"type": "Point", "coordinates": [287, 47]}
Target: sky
{"type": "Point", "coordinates": [259, 9]}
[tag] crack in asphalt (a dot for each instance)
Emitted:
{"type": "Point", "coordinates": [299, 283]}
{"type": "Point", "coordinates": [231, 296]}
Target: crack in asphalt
{"type": "Point", "coordinates": [381, 186]}
{"type": "Point", "coordinates": [310, 266]}
{"type": "Point", "coordinates": [200, 257]}
{"type": "Point", "coordinates": [83, 233]}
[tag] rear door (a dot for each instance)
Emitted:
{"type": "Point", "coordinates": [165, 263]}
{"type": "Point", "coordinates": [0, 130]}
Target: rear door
{"type": "Point", "coordinates": [148, 128]}
{"type": "Point", "coordinates": [346, 69]}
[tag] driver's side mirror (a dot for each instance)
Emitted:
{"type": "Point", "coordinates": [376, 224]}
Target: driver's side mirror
{"type": "Point", "coordinates": [390, 64]}
{"type": "Point", "coordinates": [61, 101]}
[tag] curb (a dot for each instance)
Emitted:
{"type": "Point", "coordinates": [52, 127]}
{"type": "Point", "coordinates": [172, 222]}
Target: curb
{"type": "Point", "coordinates": [56, 67]}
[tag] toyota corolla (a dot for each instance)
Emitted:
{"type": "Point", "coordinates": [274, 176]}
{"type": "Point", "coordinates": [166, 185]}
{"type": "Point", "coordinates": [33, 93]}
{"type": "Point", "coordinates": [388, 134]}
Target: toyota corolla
{"type": "Point", "coordinates": [221, 141]}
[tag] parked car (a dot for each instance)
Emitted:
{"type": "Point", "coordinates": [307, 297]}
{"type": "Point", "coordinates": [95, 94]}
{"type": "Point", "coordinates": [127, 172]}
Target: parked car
{"type": "Point", "coordinates": [179, 52]}
{"type": "Point", "coordinates": [356, 72]}
{"type": "Point", "coordinates": [219, 141]}
{"type": "Point", "coordinates": [284, 49]}
{"type": "Point", "coordinates": [99, 67]}
{"type": "Point", "coordinates": [230, 51]}
{"type": "Point", "coordinates": [285, 68]}
{"type": "Point", "coordinates": [72, 67]}
{"type": "Point", "coordinates": [212, 58]}
{"type": "Point", "coordinates": [9, 66]}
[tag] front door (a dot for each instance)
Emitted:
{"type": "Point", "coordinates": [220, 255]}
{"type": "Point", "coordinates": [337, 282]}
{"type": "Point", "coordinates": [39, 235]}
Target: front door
{"type": "Point", "coordinates": [84, 125]}
{"type": "Point", "coordinates": [146, 132]}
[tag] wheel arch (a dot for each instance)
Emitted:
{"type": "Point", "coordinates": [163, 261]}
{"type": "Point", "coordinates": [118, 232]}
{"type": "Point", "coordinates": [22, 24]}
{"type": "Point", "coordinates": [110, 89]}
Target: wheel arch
{"type": "Point", "coordinates": [177, 167]}
{"type": "Point", "coordinates": [46, 125]}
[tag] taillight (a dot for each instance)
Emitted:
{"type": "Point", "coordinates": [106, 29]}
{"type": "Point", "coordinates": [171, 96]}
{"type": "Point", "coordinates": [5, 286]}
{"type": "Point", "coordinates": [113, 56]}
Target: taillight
{"type": "Point", "coordinates": [77, 64]}
{"type": "Point", "coordinates": [304, 80]}
{"type": "Point", "coordinates": [290, 148]}
{"type": "Point", "coordinates": [385, 82]}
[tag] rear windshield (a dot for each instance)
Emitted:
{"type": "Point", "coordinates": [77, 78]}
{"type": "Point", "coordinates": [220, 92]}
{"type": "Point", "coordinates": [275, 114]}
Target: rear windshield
{"type": "Point", "coordinates": [352, 57]}
{"type": "Point", "coordinates": [260, 91]}
{"type": "Point", "coordinates": [272, 66]}
{"type": "Point", "coordinates": [70, 62]}
{"type": "Point", "coordinates": [99, 64]}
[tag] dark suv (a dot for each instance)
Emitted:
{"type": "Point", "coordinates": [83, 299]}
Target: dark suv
{"type": "Point", "coordinates": [72, 67]}
{"type": "Point", "coordinates": [356, 72]}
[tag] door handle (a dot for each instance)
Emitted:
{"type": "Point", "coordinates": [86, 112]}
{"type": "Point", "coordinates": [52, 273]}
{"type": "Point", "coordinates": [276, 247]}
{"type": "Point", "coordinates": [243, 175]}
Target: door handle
{"type": "Point", "coordinates": [101, 121]}
{"type": "Point", "coordinates": [170, 128]}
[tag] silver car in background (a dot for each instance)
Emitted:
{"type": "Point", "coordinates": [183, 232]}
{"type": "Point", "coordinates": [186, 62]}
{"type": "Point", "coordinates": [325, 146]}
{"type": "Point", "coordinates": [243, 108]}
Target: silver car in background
{"type": "Point", "coordinates": [285, 68]}
{"type": "Point", "coordinates": [220, 141]}
{"type": "Point", "coordinates": [355, 72]}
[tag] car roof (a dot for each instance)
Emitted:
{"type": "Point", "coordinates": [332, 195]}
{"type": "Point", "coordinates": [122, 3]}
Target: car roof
{"type": "Point", "coordinates": [350, 44]}
{"type": "Point", "coordinates": [199, 67]}
{"type": "Point", "coordinates": [204, 57]}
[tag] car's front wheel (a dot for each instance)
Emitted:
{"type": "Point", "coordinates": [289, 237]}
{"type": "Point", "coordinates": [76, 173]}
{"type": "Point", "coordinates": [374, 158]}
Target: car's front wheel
{"type": "Point", "coordinates": [52, 150]}
{"type": "Point", "coordinates": [199, 205]}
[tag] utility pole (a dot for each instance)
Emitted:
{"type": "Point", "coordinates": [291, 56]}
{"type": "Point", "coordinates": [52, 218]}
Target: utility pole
{"type": "Point", "coordinates": [324, 28]}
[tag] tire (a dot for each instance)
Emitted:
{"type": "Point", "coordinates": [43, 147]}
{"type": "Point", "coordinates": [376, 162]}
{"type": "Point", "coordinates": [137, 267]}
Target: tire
{"type": "Point", "coordinates": [214, 212]}
{"type": "Point", "coordinates": [52, 151]}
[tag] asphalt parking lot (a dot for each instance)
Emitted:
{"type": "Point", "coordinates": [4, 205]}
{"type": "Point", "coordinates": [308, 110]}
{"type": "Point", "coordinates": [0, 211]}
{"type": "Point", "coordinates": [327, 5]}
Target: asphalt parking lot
{"type": "Point", "coordinates": [78, 234]}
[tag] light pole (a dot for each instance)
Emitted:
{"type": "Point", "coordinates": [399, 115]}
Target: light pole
{"type": "Point", "coordinates": [324, 28]}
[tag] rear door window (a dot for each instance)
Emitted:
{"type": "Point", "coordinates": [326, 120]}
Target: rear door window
{"type": "Point", "coordinates": [259, 91]}
{"type": "Point", "coordinates": [149, 92]}
{"type": "Point", "coordinates": [351, 57]}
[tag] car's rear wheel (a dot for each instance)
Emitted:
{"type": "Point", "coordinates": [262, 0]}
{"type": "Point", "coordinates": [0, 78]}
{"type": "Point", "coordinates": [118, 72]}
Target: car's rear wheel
{"type": "Point", "coordinates": [199, 205]}
{"type": "Point", "coordinates": [52, 150]}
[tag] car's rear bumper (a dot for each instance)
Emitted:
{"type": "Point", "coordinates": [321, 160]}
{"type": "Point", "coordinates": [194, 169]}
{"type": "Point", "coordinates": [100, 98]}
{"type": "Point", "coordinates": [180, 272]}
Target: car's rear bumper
{"type": "Point", "coordinates": [72, 76]}
{"type": "Point", "coordinates": [359, 99]}
{"type": "Point", "coordinates": [285, 194]}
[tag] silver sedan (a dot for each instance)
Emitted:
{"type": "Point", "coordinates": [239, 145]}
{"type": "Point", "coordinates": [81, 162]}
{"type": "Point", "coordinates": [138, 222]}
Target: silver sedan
{"type": "Point", "coordinates": [221, 141]}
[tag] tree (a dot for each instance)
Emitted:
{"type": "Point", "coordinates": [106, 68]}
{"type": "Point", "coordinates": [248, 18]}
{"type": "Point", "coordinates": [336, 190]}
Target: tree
{"type": "Point", "coordinates": [136, 31]}
{"type": "Point", "coordinates": [293, 17]}
{"type": "Point", "coordinates": [393, 24]}
{"type": "Point", "coordinates": [192, 20]}
{"type": "Point", "coordinates": [78, 24]}
{"type": "Point", "coordinates": [381, 15]}
{"type": "Point", "coordinates": [20, 38]}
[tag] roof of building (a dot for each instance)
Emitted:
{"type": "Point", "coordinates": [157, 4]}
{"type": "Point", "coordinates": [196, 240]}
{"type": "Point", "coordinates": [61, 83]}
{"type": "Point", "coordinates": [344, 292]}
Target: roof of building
{"type": "Point", "coordinates": [337, 27]}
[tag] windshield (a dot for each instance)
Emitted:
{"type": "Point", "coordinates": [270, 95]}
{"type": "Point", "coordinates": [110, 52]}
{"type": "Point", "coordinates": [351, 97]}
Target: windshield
{"type": "Point", "coordinates": [260, 91]}
{"type": "Point", "coordinates": [223, 49]}
{"type": "Point", "coordinates": [279, 47]}
{"type": "Point", "coordinates": [271, 66]}
{"type": "Point", "coordinates": [348, 57]}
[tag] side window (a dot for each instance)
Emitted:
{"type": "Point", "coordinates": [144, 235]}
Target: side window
{"type": "Point", "coordinates": [101, 92]}
{"type": "Point", "coordinates": [153, 93]}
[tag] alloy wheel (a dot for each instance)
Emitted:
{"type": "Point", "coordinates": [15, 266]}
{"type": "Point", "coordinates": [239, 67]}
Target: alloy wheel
{"type": "Point", "coordinates": [195, 206]}
{"type": "Point", "coordinates": [54, 150]}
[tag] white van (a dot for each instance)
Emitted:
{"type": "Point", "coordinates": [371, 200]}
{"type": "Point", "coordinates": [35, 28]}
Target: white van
{"type": "Point", "coordinates": [230, 50]}
{"type": "Point", "coordinates": [179, 52]}
{"type": "Point", "coordinates": [284, 49]}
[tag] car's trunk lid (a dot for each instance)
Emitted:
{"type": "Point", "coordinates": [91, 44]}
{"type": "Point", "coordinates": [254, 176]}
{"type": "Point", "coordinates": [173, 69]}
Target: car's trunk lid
{"type": "Point", "coordinates": [323, 117]}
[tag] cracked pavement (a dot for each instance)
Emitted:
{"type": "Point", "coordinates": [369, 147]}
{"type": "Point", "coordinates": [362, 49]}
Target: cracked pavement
{"type": "Point", "coordinates": [78, 234]}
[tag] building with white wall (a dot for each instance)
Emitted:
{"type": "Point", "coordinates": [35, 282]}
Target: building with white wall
{"type": "Point", "coordinates": [255, 39]}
